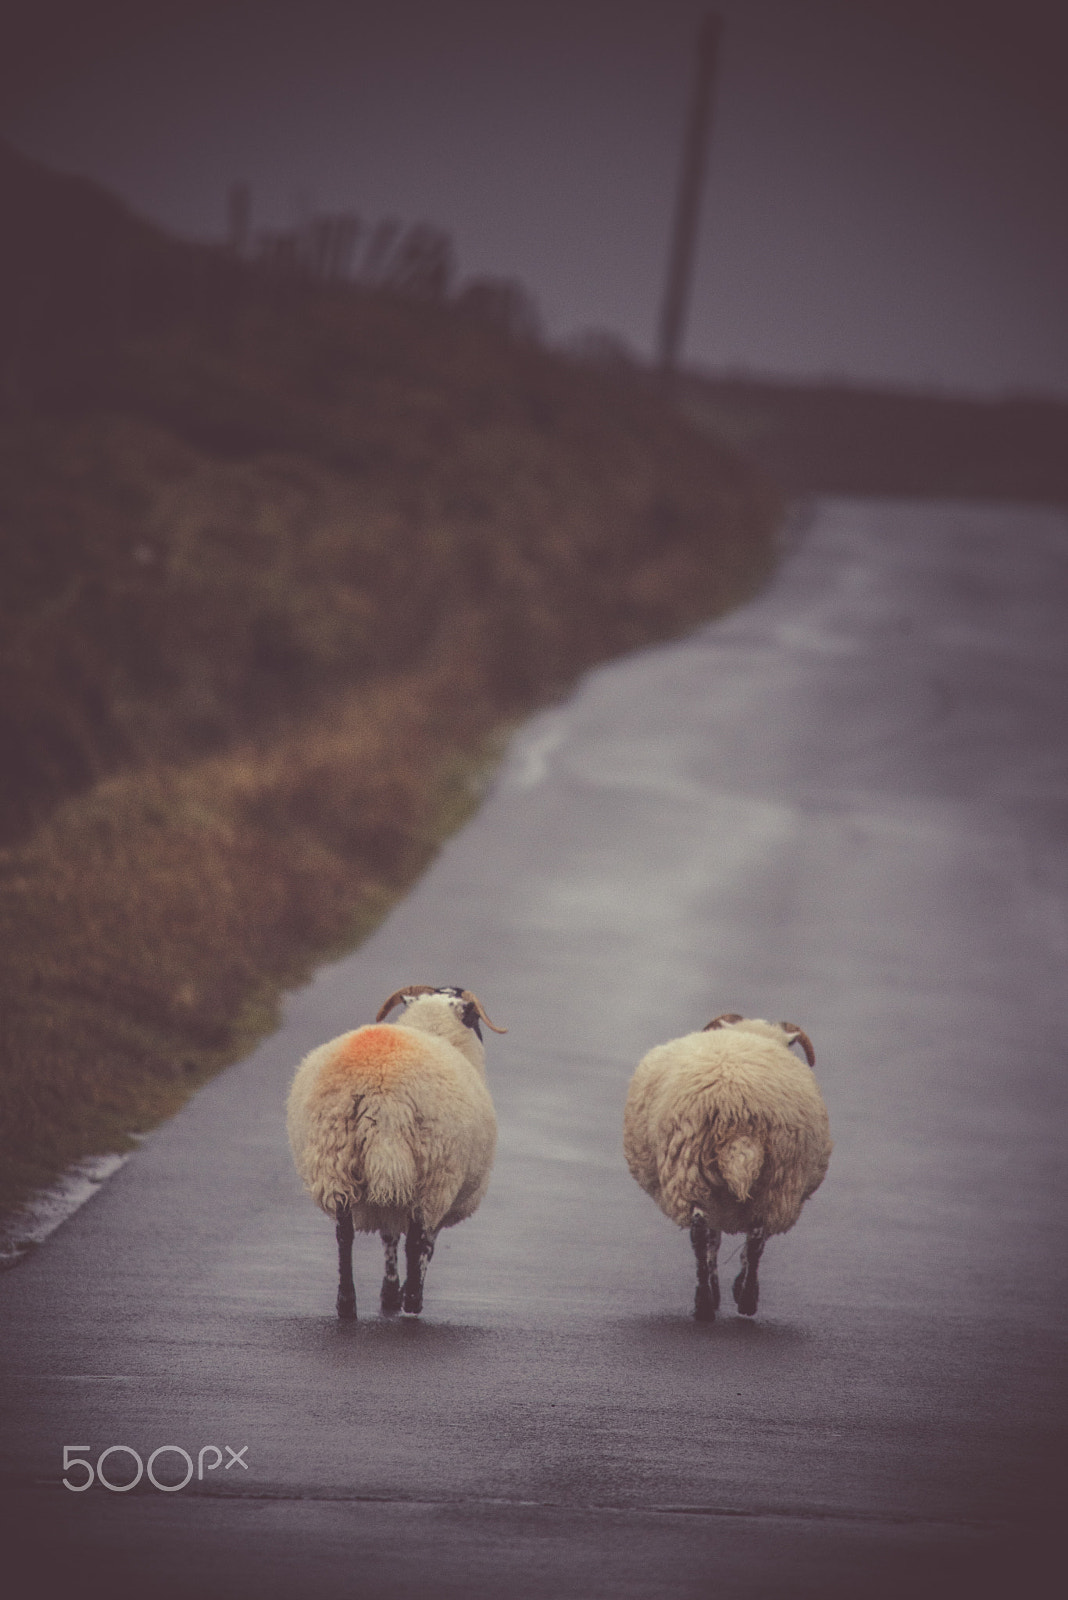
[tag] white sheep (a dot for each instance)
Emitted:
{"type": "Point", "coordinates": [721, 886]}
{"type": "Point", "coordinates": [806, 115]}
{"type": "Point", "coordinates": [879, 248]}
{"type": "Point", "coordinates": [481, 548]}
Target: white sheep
{"type": "Point", "coordinates": [728, 1133]}
{"type": "Point", "coordinates": [393, 1131]}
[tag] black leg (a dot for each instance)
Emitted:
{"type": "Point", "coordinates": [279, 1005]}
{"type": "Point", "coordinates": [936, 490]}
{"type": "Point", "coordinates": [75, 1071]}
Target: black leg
{"type": "Point", "coordinates": [705, 1241]}
{"type": "Point", "coordinates": [418, 1249]}
{"type": "Point", "coordinates": [346, 1289]}
{"type": "Point", "coordinates": [391, 1289]}
{"type": "Point", "coordinates": [746, 1289]}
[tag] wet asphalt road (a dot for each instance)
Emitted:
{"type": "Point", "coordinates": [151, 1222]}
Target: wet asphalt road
{"type": "Point", "coordinates": [845, 805]}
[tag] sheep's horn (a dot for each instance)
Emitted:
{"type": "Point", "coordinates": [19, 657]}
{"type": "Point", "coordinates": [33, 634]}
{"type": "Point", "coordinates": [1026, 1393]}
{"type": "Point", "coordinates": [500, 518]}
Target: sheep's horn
{"type": "Point", "coordinates": [801, 1038]}
{"type": "Point", "coordinates": [466, 994]}
{"type": "Point", "coordinates": [395, 999]}
{"type": "Point", "coordinates": [722, 1020]}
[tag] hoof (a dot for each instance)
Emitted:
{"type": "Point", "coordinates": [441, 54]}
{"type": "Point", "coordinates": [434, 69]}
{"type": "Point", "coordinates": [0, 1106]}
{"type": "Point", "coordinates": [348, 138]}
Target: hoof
{"type": "Point", "coordinates": [391, 1296]}
{"type": "Point", "coordinates": [745, 1295]}
{"type": "Point", "coordinates": [412, 1301]}
{"type": "Point", "coordinates": [346, 1308]}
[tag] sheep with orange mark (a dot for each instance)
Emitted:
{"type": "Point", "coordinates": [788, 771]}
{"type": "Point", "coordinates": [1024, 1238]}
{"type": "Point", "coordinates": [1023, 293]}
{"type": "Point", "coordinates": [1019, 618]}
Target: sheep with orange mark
{"type": "Point", "coordinates": [393, 1132]}
{"type": "Point", "coordinates": [727, 1131]}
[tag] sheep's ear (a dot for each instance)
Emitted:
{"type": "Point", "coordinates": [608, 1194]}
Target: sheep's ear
{"type": "Point", "coordinates": [472, 999]}
{"type": "Point", "coordinates": [799, 1036]}
{"type": "Point", "coordinates": [725, 1019]}
{"type": "Point", "coordinates": [469, 1017]}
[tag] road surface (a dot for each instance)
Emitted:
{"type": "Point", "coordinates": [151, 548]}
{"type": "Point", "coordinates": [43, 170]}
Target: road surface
{"type": "Point", "coordinates": [844, 805]}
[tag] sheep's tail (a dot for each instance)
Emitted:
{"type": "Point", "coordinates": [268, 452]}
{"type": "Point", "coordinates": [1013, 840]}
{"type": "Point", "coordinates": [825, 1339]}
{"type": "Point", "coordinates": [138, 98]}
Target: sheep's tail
{"type": "Point", "coordinates": [740, 1161]}
{"type": "Point", "coordinates": [386, 1140]}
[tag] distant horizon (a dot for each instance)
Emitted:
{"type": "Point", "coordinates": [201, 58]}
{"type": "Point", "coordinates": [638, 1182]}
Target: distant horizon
{"type": "Point", "coordinates": [884, 205]}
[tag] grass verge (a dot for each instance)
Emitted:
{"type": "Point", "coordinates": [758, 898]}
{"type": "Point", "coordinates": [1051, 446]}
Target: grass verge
{"type": "Point", "coordinates": [148, 926]}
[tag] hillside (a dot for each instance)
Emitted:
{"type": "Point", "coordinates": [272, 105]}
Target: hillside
{"type": "Point", "coordinates": [280, 559]}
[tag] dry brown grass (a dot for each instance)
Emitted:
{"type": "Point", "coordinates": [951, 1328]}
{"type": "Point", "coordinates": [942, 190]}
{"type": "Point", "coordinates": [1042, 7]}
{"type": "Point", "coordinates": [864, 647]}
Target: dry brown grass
{"type": "Point", "coordinates": [146, 928]}
{"type": "Point", "coordinates": [239, 527]}
{"type": "Point", "coordinates": [266, 600]}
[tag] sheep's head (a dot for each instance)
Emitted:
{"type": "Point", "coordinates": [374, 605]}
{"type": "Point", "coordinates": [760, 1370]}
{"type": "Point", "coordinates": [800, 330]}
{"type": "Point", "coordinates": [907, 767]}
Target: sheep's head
{"type": "Point", "coordinates": [467, 1006]}
{"type": "Point", "coordinates": [787, 1031]}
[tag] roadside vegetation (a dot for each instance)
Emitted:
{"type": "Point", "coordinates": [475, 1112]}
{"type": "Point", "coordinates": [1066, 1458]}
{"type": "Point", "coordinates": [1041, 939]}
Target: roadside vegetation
{"type": "Point", "coordinates": [282, 559]}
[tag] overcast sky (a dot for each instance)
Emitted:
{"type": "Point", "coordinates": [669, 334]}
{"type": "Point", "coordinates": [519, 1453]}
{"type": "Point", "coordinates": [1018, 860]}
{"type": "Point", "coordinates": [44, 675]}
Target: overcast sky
{"type": "Point", "coordinates": [886, 198]}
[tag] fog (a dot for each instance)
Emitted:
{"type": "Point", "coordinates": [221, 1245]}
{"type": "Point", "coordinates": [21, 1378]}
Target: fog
{"type": "Point", "coordinates": [885, 195]}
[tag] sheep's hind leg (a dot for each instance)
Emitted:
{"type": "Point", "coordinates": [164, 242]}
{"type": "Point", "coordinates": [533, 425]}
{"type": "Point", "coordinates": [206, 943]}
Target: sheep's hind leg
{"type": "Point", "coordinates": [391, 1288]}
{"type": "Point", "coordinates": [746, 1289]}
{"type": "Point", "coordinates": [705, 1241]}
{"type": "Point", "coordinates": [418, 1249]}
{"type": "Point", "coordinates": [346, 1289]}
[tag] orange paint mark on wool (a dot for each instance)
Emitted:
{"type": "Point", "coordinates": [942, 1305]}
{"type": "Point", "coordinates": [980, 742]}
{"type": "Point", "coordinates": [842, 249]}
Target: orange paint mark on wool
{"type": "Point", "coordinates": [372, 1058]}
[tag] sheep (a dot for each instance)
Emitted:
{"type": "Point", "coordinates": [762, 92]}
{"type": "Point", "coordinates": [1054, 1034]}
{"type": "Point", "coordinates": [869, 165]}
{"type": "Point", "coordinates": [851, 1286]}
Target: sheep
{"type": "Point", "coordinates": [393, 1132]}
{"type": "Point", "coordinates": [728, 1133]}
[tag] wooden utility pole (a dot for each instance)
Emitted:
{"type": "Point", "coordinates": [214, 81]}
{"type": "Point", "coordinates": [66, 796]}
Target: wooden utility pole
{"type": "Point", "coordinates": [688, 200]}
